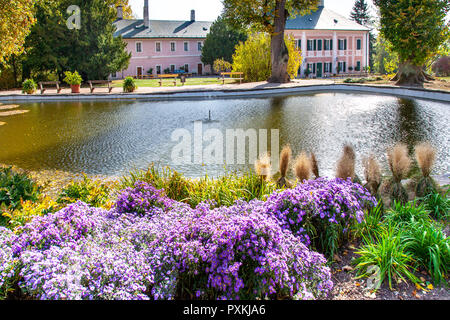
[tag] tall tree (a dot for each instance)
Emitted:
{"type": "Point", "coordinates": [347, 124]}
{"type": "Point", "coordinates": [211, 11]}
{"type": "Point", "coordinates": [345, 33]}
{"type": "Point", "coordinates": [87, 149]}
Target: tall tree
{"type": "Point", "coordinates": [360, 14]}
{"type": "Point", "coordinates": [416, 29]}
{"type": "Point", "coordinates": [221, 41]}
{"type": "Point", "coordinates": [16, 20]}
{"type": "Point", "coordinates": [92, 50]}
{"type": "Point", "coordinates": [269, 16]}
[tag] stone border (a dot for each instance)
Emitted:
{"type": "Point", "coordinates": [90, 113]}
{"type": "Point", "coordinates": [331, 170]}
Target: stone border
{"type": "Point", "coordinates": [437, 95]}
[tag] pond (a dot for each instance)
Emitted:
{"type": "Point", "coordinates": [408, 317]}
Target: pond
{"type": "Point", "coordinates": [114, 137]}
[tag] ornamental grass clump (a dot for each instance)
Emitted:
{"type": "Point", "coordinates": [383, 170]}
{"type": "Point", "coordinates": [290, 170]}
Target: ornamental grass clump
{"type": "Point", "coordinates": [320, 212]}
{"type": "Point", "coordinates": [372, 173]}
{"type": "Point", "coordinates": [345, 167]}
{"type": "Point", "coordinates": [302, 167]}
{"type": "Point", "coordinates": [263, 167]}
{"type": "Point", "coordinates": [399, 164]}
{"type": "Point", "coordinates": [285, 159]}
{"type": "Point", "coordinates": [425, 156]}
{"type": "Point", "coordinates": [314, 165]}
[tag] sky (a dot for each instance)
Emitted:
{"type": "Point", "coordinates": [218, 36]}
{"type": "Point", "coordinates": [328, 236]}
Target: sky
{"type": "Point", "coordinates": [209, 10]}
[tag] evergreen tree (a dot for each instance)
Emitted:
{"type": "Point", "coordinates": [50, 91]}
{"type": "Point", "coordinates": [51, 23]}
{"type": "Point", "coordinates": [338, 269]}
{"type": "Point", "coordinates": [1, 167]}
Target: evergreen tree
{"type": "Point", "coordinates": [221, 41]}
{"type": "Point", "coordinates": [92, 50]}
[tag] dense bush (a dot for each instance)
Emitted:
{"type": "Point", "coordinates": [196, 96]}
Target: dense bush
{"type": "Point", "coordinates": [438, 205]}
{"type": "Point", "coordinates": [442, 67]}
{"type": "Point", "coordinates": [320, 212]}
{"type": "Point", "coordinates": [16, 187]}
{"type": "Point", "coordinates": [90, 191]}
{"type": "Point", "coordinates": [129, 85]}
{"type": "Point", "coordinates": [29, 86]}
{"type": "Point", "coordinates": [223, 191]}
{"type": "Point", "coordinates": [253, 58]}
{"type": "Point", "coordinates": [430, 247]}
{"type": "Point", "coordinates": [82, 252]}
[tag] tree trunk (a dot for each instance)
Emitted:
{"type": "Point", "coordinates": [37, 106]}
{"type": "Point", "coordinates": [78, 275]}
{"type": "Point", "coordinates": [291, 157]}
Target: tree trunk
{"type": "Point", "coordinates": [279, 51]}
{"type": "Point", "coordinates": [411, 75]}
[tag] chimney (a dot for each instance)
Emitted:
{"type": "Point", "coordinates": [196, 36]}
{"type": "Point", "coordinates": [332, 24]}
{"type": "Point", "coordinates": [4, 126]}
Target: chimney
{"type": "Point", "coordinates": [146, 16]}
{"type": "Point", "coordinates": [119, 12]}
{"type": "Point", "coordinates": [321, 3]}
{"type": "Point", "coordinates": [192, 15]}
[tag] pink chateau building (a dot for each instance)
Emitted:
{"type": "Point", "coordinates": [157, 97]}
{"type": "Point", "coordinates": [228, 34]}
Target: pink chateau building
{"type": "Point", "coordinates": [329, 42]}
{"type": "Point", "coordinates": [161, 44]}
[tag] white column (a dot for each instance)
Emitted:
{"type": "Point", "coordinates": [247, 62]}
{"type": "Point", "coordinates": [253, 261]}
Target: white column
{"type": "Point", "coordinates": [353, 52]}
{"type": "Point", "coordinates": [364, 52]}
{"type": "Point", "coordinates": [335, 47]}
{"type": "Point", "coordinates": [304, 52]}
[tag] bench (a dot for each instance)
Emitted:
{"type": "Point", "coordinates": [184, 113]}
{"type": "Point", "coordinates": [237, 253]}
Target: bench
{"type": "Point", "coordinates": [43, 83]}
{"type": "Point", "coordinates": [101, 82]}
{"type": "Point", "coordinates": [168, 76]}
{"type": "Point", "coordinates": [231, 74]}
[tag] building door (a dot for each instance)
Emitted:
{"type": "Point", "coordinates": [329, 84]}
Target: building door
{"type": "Point", "coordinates": [200, 69]}
{"type": "Point", "coordinates": [319, 70]}
{"type": "Point", "coordinates": [139, 72]}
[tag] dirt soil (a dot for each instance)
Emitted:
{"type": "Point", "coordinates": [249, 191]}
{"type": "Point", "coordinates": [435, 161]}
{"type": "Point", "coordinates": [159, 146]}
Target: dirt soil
{"type": "Point", "coordinates": [346, 287]}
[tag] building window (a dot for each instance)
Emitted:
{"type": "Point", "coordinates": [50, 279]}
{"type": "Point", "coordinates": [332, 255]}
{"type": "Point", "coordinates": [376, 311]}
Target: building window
{"type": "Point", "coordinates": [342, 66]}
{"type": "Point", "coordinates": [299, 44]}
{"type": "Point", "coordinates": [186, 46]}
{"type": "Point", "coordinates": [172, 46]}
{"type": "Point", "coordinates": [138, 46]}
{"type": "Point", "coordinates": [326, 67]}
{"type": "Point", "coordinates": [158, 69]}
{"type": "Point", "coordinates": [358, 44]}
{"type": "Point", "coordinates": [358, 66]}
{"type": "Point", "coordinates": [158, 47]}
{"type": "Point", "coordinates": [343, 44]}
{"type": "Point", "coordinates": [310, 45]}
{"type": "Point", "coordinates": [328, 45]}
{"type": "Point", "coordinates": [114, 75]}
{"type": "Point", "coordinates": [172, 68]}
{"type": "Point", "coordinates": [200, 46]}
{"type": "Point", "coordinates": [319, 45]}
{"type": "Point", "coordinates": [186, 68]}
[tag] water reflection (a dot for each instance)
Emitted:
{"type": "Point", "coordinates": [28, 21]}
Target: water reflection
{"type": "Point", "coordinates": [113, 137]}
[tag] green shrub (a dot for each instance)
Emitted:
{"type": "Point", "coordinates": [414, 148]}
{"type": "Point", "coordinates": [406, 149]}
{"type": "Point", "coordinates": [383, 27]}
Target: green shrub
{"type": "Point", "coordinates": [254, 60]}
{"type": "Point", "coordinates": [224, 190]}
{"type": "Point", "coordinates": [72, 78]}
{"type": "Point", "coordinates": [29, 86]}
{"type": "Point", "coordinates": [94, 193]}
{"type": "Point", "coordinates": [401, 214]}
{"type": "Point", "coordinates": [388, 253]}
{"type": "Point", "coordinates": [221, 65]}
{"type": "Point", "coordinates": [129, 85]}
{"type": "Point", "coordinates": [430, 247]}
{"type": "Point", "coordinates": [16, 187]}
{"type": "Point", "coordinates": [371, 224]}
{"type": "Point", "coordinates": [438, 205]}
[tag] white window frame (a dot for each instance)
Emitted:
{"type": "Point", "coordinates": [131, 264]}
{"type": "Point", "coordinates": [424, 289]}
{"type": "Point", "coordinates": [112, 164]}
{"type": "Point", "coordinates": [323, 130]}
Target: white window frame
{"type": "Point", "coordinates": [160, 69]}
{"type": "Point", "coordinates": [360, 44]}
{"type": "Point", "coordinates": [172, 69]}
{"type": "Point", "coordinates": [174, 46]}
{"type": "Point", "coordinates": [186, 46]}
{"type": "Point", "coordinates": [199, 46]}
{"type": "Point", "coordinates": [160, 46]}
{"type": "Point", "coordinates": [136, 46]}
{"type": "Point", "coordinates": [188, 68]}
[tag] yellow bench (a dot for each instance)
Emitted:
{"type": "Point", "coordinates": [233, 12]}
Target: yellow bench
{"type": "Point", "coordinates": [231, 74]}
{"type": "Point", "coordinates": [168, 76]}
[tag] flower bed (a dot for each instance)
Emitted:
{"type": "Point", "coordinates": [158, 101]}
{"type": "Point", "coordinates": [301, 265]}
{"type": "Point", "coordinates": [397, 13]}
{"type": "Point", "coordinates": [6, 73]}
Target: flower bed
{"type": "Point", "coordinates": [150, 247]}
{"type": "Point", "coordinates": [319, 212]}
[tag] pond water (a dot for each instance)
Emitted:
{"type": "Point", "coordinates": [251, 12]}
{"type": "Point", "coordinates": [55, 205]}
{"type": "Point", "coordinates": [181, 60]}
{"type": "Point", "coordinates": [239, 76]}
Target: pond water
{"type": "Point", "coordinates": [114, 137]}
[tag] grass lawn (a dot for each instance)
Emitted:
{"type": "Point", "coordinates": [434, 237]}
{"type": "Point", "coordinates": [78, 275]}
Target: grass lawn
{"type": "Point", "coordinates": [169, 82]}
